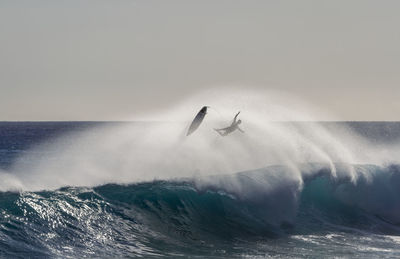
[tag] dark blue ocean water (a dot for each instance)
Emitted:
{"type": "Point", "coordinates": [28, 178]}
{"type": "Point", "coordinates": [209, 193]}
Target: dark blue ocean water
{"type": "Point", "coordinates": [325, 217]}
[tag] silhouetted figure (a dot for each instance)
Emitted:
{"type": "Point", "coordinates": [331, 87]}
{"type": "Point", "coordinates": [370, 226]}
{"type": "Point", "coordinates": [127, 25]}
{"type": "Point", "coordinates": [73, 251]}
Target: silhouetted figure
{"type": "Point", "coordinates": [234, 126]}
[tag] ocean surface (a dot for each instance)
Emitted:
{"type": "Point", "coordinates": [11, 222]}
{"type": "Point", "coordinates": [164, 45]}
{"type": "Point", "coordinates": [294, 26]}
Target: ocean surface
{"type": "Point", "coordinates": [54, 205]}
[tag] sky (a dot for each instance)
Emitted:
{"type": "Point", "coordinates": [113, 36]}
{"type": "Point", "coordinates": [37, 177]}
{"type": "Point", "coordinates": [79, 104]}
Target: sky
{"type": "Point", "coordinates": [110, 60]}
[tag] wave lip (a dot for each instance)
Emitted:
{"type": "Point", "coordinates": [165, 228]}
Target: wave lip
{"type": "Point", "coordinates": [189, 216]}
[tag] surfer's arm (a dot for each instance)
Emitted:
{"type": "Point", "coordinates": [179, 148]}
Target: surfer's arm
{"type": "Point", "coordinates": [234, 120]}
{"type": "Point", "coordinates": [240, 129]}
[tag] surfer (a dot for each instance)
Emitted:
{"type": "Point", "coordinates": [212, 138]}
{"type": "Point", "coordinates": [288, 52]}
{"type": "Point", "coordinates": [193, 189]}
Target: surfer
{"type": "Point", "coordinates": [234, 126]}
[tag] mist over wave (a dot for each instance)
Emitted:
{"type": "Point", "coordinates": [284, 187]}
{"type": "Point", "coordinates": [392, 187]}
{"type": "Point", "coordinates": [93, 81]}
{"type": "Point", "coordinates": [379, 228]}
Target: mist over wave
{"type": "Point", "coordinates": [146, 189]}
{"type": "Point", "coordinates": [148, 151]}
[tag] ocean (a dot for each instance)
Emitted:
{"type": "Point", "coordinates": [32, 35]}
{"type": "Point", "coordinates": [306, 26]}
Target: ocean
{"type": "Point", "coordinates": [137, 189]}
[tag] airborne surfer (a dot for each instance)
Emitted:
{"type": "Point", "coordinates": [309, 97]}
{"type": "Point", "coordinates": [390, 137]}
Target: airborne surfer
{"type": "Point", "coordinates": [234, 126]}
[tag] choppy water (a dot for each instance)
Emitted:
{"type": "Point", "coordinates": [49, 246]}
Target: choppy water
{"type": "Point", "coordinates": [259, 212]}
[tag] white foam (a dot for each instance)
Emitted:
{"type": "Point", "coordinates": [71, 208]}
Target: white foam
{"type": "Point", "coordinates": [145, 151]}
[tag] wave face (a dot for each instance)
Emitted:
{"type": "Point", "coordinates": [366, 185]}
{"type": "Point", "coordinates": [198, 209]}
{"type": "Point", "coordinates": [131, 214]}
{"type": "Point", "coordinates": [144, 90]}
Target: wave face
{"type": "Point", "coordinates": [322, 216]}
{"type": "Point", "coordinates": [281, 189]}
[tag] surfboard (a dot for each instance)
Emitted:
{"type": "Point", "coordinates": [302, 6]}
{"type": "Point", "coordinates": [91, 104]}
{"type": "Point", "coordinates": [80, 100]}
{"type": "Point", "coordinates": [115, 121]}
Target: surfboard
{"type": "Point", "coordinates": [197, 120]}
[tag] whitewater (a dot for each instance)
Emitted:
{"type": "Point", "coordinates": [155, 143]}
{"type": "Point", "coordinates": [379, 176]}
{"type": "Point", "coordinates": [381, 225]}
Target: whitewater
{"type": "Point", "coordinates": [290, 186]}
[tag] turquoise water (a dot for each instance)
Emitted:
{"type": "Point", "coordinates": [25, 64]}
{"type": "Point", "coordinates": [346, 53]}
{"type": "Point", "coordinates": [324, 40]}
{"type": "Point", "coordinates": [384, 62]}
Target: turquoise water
{"type": "Point", "coordinates": [319, 217]}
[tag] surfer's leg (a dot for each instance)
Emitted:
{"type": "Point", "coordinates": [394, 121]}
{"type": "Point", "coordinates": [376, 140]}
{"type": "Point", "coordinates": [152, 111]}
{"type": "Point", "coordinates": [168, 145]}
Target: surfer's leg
{"type": "Point", "coordinates": [219, 131]}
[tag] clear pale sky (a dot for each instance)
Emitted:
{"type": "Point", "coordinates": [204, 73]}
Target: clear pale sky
{"type": "Point", "coordinates": [107, 60]}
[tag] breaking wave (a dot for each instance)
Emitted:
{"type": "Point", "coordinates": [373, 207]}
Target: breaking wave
{"type": "Point", "coordinates": [190, 215]}
{"type": "Point", "coordinates": [146, 189]}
